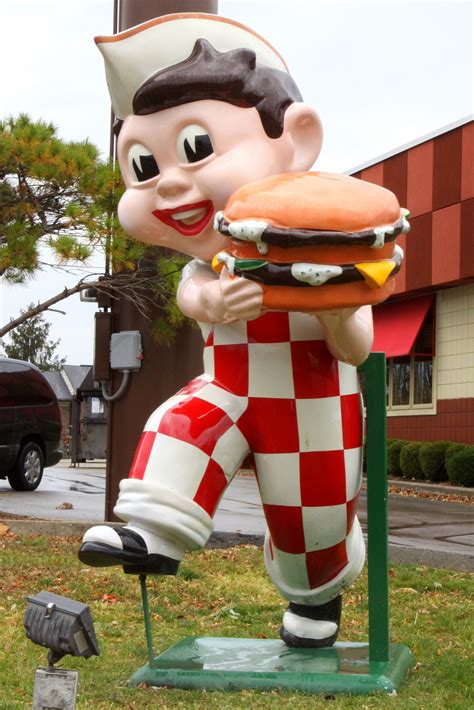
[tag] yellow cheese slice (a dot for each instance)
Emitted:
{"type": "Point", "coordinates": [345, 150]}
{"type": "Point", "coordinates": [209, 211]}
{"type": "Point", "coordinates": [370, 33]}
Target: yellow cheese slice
{"type": "Point", "coordinates": [376, 273]}
{"type": "Point", "coordinates": [216, 264]}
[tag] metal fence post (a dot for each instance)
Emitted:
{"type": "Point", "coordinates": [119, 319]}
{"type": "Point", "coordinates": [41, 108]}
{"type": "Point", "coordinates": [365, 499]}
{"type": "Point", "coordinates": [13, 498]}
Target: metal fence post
{"type": "Point", "coordinates": [377, 506]}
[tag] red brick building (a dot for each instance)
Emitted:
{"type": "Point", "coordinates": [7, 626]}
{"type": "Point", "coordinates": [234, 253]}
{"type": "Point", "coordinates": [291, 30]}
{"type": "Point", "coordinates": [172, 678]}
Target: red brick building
{"type": "Point", "coordinates": [427, 326]}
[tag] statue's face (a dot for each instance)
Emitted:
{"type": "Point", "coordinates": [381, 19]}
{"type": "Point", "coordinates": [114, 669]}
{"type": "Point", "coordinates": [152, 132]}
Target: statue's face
{"type": "Point", "coordinates": [180, 166]}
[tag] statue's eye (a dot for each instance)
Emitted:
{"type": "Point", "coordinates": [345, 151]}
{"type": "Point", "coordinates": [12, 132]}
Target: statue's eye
{"type": "Point", "coordinates": [193, 144]}
{"type": "Point", "coordinates": [142, 164]}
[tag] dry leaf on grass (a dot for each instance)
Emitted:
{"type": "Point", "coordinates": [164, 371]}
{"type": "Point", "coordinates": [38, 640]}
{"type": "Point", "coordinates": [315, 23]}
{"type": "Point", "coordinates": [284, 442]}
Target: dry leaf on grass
{"type": "Point", "coordinates": [110, 598]}
{"type": "Point", "coordinates": [406, 590]}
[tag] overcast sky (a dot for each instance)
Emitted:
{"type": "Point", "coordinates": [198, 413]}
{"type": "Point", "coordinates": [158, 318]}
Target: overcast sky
{"type": "Point", "coordinates": [379, 73]}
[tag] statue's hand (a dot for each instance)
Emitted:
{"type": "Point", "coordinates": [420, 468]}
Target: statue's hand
{"type": "Point", "coordinates": [242, 298]}
{"type": "Point", "coordinates": [348, 332]}
{"type": "Point", "coordinates": [341, 314]}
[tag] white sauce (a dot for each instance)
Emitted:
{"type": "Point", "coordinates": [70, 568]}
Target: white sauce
{"type": "Point", "coordinates": [250, 230]}
{"type": "Point", "coordinates": [380, 233]}
{"type": "Point", "coordinates": [315, 274]}
{"type": "Point", "coordinates": [229, 261]}
{"type": "Point", "coordinates": [398, 254]}
{"type": "Point", "coordinates": [217, 220]}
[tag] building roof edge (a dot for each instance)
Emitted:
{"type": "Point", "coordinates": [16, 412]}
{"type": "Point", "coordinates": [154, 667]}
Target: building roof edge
{"type": "Point", "coordinates": [411, 144]}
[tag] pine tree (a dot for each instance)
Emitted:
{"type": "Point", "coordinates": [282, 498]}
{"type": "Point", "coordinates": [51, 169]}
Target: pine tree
{"type": "Point", "coordinates": [30, 341]}
{"type": "Point", "coordinates": [61, 195]}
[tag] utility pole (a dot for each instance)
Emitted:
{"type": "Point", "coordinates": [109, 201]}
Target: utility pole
{"type": "Point", "coordinates": [165, 369]}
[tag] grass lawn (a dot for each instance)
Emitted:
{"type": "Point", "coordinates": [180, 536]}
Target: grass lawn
{"type": "Point", "coordinates": [223, 593]}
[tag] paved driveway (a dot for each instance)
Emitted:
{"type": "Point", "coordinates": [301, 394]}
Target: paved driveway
{"type": "Point", "coordinates": [83, 488]}
{"type": "Point", "coordinates": [441, 533]}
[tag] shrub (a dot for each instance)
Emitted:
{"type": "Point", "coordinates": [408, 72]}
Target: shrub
{"type": "Point", "coordinates": [410, 460]}
{"type": "Point", "coordinates": [461, 466]}
{"type": "Point", "coordinates": [452, 449]}
{"type": "Point", "coordinates": [393, 457]}
{"type": "Point", "coordinates": [432, 456]}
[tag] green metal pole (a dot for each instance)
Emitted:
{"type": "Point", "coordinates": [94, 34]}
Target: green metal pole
{"type": "Point", "coordinates": [377, 506]}
{"type": "Point", "coordinates": [146, 617]}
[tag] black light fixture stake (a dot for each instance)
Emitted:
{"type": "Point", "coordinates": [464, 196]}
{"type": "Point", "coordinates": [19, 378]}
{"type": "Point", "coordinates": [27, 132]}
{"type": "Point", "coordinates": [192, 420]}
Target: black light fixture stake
{"type": "Point", "coordinates": [146, 618]}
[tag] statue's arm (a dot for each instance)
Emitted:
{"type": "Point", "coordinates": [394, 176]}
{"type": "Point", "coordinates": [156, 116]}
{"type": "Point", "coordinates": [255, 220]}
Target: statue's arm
{"type": "Point", "coordinates": [349, 333]}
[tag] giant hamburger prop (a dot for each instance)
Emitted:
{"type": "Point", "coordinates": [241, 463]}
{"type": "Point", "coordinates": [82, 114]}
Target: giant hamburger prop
{"type": "Point", "coordinates": [313, 240]}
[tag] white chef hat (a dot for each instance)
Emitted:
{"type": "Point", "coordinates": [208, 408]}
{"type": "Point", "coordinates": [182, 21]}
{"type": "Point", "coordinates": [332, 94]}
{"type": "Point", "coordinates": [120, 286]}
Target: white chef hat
{"type": "Point", "coordinates": [133, 56]}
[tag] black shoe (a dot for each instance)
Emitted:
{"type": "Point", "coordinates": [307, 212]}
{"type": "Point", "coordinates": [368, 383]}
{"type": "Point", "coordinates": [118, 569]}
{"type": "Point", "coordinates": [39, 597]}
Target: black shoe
{"type": "Point", "coordinates": [301, 629]}
{"type": "Point", "coordinates": [110, 545]}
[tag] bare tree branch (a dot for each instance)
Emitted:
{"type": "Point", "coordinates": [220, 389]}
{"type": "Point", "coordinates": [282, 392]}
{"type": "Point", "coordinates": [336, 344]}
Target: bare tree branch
{"type": "Point", "coordinates": [141, 287]}
{"type": "Point", "coordinates": [44, 306]}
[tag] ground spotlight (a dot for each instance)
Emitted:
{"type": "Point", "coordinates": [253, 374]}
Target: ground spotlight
{"type": "Point", "coordinates": [65, 627]}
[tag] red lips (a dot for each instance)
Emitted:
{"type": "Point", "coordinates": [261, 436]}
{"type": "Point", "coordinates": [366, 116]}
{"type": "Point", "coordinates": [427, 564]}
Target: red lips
{"type": "Point", "coordinates": [189, 230]}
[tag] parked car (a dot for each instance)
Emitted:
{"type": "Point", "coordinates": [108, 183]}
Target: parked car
{"type": "Point", "coordinates": [30, 424]}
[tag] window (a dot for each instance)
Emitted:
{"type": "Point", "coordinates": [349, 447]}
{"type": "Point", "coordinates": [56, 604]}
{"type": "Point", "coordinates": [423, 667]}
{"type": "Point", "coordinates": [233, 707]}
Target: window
{"type": "Point", "coordinates": [6, 394]}
{"type": "Point", "coordinates": [410, 377]}
{"type": "Point", "coordinates": [29, 386]}
{"type": "Point", "coordinates": [97, 405]}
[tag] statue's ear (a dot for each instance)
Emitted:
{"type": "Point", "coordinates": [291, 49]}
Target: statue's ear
{"type": "Point", "coordinates": [304, 127]}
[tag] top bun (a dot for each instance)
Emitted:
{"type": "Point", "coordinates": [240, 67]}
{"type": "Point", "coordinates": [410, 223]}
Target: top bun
{"type": "Point", "coordinates": [314, 200]}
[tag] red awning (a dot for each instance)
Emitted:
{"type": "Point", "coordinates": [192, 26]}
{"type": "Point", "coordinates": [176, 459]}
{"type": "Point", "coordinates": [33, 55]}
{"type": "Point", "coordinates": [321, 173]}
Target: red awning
{"type": "Point", "coordinates": [396, 325]}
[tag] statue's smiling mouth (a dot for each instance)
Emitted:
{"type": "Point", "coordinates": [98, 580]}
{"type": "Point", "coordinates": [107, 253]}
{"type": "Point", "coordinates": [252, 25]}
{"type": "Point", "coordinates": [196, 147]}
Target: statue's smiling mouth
{"type": "Point", "coordinates": [187, 219]}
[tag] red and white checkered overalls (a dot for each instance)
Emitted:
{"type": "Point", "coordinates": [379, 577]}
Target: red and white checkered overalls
{"type": "Point", "coordinates": [270, 388]}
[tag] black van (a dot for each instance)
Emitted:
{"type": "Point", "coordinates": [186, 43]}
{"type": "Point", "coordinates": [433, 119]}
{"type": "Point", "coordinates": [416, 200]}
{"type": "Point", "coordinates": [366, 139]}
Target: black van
{"type": "Point", "coordinates": [30, 424]}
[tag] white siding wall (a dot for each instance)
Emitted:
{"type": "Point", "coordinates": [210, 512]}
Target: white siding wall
{"type": "Point", "coordinates": [455, 343]}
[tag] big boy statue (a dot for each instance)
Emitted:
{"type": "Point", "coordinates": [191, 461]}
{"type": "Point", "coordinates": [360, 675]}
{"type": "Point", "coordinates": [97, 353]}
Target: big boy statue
{"type": "Point", "coordinates": [207, 105]}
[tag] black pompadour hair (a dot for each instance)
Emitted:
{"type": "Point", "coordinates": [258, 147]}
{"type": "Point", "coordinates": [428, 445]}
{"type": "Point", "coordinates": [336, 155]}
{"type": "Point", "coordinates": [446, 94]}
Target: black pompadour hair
{"type": "Point", "coordinates": [233, 77]}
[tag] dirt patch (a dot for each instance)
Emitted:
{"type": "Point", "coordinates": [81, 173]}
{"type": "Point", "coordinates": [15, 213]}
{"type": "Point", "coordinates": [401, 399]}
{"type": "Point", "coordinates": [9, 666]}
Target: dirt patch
{"type": "Point", "coordinates": [9, 516]}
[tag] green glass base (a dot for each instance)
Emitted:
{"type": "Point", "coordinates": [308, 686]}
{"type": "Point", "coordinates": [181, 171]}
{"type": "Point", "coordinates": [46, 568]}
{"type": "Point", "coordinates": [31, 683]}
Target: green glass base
{"type": "Point", "coordinates": [267, 664]}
